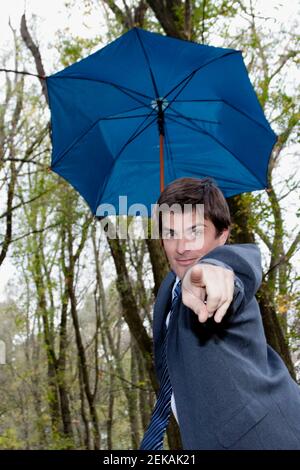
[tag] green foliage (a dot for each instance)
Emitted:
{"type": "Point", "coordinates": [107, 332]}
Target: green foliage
{"type": "Point", "coordinates": [60, 442]}
{"type": "Point", "coordinates": [75, 48]}
{"type": "Point", "coordinates": [9, 440]}
{"type": "Point", "coordinates": [207, 12]}
{"type": "Point", "coordinates": [51, 228]}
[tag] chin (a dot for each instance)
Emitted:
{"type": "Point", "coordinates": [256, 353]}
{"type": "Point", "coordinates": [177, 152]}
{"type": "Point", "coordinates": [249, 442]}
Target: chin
{"type": "Point", "coordinates": [180, 271]}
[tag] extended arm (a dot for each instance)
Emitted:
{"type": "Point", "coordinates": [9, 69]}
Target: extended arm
{"type": "Point", "coordinates": [227, 275]}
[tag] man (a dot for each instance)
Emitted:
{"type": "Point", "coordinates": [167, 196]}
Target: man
{"type": "Point", "coordinates": [227, 388]}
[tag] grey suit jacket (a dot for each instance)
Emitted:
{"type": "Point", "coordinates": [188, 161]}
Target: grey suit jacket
{"type": "Point", "coordinates": [232, 390]}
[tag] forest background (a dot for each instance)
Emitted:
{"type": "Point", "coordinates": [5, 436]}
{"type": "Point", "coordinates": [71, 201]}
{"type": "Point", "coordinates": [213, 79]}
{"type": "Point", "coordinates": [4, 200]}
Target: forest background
{"type": "Point", "coordinates": [76, 364]}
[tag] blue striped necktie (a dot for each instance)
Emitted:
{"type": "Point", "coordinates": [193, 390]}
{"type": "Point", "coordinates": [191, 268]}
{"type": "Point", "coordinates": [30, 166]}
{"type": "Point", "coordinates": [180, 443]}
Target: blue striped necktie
{"type": "Point", "coordinates": [154, 435]}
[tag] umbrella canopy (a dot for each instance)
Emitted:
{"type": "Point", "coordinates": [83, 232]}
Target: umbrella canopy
{"type": "Point", "coordinates": [147, 109]}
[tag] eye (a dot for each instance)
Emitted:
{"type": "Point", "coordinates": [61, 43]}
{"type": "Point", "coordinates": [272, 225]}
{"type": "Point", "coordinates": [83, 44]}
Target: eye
{"type": "Point", "coordinates": [168, 234]}
{"type": "Point", "coordinates": [194, 233]}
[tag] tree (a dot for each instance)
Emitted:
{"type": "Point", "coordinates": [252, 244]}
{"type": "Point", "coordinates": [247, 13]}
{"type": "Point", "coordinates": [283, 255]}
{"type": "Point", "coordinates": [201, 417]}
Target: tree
{"type": "Point", "coordinates": [81, 373]}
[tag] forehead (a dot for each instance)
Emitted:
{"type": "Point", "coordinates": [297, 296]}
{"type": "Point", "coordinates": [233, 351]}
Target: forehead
{"type": "Point", "coordinates": [181, 220]}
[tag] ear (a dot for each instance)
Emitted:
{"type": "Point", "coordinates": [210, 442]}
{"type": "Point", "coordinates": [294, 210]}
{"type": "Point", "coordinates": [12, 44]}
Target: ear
{"type": "Point", "coordinates": [223, 237]}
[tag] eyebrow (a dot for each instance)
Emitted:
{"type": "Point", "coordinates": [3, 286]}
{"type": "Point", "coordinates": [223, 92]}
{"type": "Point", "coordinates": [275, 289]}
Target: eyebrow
{"type": "Point", "coordinates": [169, 229]}
{"type": "Point", "coordinates": [197, 225]}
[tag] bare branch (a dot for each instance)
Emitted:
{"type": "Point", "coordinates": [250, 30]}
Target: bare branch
{"type": "Point", "coordinates": [128, 14]}
{"type": "Point", "coordinates": [24, 160]}
{"type": "Point", "coordinates": [291, 189]}
{"type": "Point", "coordinates": [36, 55]}
{"type": "Point", "coordinates": [117, 12]}
{"type": "Point", "coordinates": [262, 234]}
{"type": "Point", "coordinates": [188, 10]}
{"type": "Point", "coordinates": [140, 13]}
{"type": "Point", "coordinates": [203, 21]}
{"type": "Point", "coordinates": [23, 72]}
{"type": "Point", "coordinates": [282, 140]}
{"type": "Point", "coordinates": [8, 213]}
{"type": "Point", "coordinates": [4, 214]}
{"type": "Point", "coordinates": [283, 60]}
{"type": "Point", "coordinates": [294, 247]}
{"type": "Point", "coordinates": [33, 232]}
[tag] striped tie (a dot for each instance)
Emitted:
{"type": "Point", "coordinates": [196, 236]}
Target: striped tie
{"type": "Point", "coordinates": [154, 435]}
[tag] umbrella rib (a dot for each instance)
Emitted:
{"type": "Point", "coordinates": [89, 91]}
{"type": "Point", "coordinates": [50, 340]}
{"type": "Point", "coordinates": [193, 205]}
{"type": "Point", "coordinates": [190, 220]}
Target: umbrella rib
{"type": "Point", "coordinates": [118, 115]}
{"type": "Point", "coordinates": [202, 131]}
{"type": "Point", "coordinates": [192, 74]}
{"type": "Point", "coordinates": [207, 121]}
{"type": "Point", "coordinates": [121, 88]}
{"type": "Point", "coordinates": [91, 127]}
{"type": "Point", "coordinates": [109, 118]}
{"type": "Point", "coordinates": [126, 111]}
{"type": "Point", "coordinates": [199, 68]}
{"type": "Point", "coordinates": [148, 63]}
{"type": "Point", "coordinates": [133, 136]}
{"type": "Point", "coordinates": [196, 101]}
{"type": "Point", "coordinates": [228, 104]}
{"type": "Point", "coordinates": [184, 84]}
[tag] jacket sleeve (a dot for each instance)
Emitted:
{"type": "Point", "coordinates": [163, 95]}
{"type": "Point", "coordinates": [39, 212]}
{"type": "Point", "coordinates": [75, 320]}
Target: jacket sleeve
{"type": "Point", "coordinates": [245, 261]}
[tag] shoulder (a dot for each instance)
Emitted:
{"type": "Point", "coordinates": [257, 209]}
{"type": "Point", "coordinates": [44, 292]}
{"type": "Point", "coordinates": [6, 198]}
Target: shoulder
{"type": "Point", "coordinates": [242, 249]}
{"type": "Point", "coordinates": [236, 255]}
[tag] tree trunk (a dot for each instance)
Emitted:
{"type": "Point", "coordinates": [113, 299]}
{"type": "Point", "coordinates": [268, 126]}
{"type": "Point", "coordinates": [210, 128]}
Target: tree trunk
{"type": "Point", "coordinates": [61, 371]}
{"type": "Point", "coordinates": [273, 331]}
{"type": "Point", "coordinates": [158, 261]}
{"type": "Point", "coordinates": [87, 435]}
{"type": "Point", "coordinates": [242, 233]}
{"type": "Point", "coordinates": [145, 403]}
{"type": "Point", "coordinates": [82, 361]}
{"type": "Point", "coordinates": [48, 340]}
{"type": "Point", "coordinates": [133, 397]}
{"type": "Point", "coordinates": [110, 415]}
{"type": "Point", "coordinates": [130, 309]}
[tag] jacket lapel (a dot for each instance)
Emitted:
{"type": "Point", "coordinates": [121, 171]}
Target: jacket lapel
{"type": "Point", "coordinates": [162, 307]}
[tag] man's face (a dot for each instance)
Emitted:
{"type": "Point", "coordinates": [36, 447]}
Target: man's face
{"type": "Point", "coordinates": [187, 237]}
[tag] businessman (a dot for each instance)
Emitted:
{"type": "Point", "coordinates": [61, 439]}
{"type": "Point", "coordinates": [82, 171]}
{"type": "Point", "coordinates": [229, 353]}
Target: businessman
{"type": "Point", "coordinates": [226, 387]}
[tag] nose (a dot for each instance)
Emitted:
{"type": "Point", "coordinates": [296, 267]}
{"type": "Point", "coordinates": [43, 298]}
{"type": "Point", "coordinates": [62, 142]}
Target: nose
{"type": "Point", "coordinates": [181, 246]}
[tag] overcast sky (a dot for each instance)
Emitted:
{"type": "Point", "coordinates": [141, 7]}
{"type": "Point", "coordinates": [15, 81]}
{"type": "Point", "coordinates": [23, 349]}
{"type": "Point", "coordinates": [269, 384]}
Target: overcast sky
{"type": "Point", "coordinates": [53, 15]}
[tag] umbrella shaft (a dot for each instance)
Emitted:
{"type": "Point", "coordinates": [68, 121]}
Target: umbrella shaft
{"type": "Point", "coordinates": [160, 122]}
{"type": "Point", "coordinates": [161, 160]}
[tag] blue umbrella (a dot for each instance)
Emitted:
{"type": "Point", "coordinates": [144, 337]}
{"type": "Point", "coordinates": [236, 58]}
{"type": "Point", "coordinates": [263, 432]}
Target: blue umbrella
{"type": "Point", "coordinates": [147, 109]}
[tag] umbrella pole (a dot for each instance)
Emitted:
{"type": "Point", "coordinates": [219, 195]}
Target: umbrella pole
{"type": "Point", "coordinates": [161, 160]}
{"type": "Point", "coordinates": [161, 131]}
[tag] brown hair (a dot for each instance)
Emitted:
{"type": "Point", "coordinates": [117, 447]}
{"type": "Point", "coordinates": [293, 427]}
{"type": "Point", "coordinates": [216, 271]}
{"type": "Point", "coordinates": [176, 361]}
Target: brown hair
{"type": "Point", "coordinates": [198, 191]}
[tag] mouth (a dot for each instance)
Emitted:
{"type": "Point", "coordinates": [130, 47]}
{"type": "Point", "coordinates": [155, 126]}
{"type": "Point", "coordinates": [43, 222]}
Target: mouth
{"type": "Point", "coordinates": [185, 262]}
